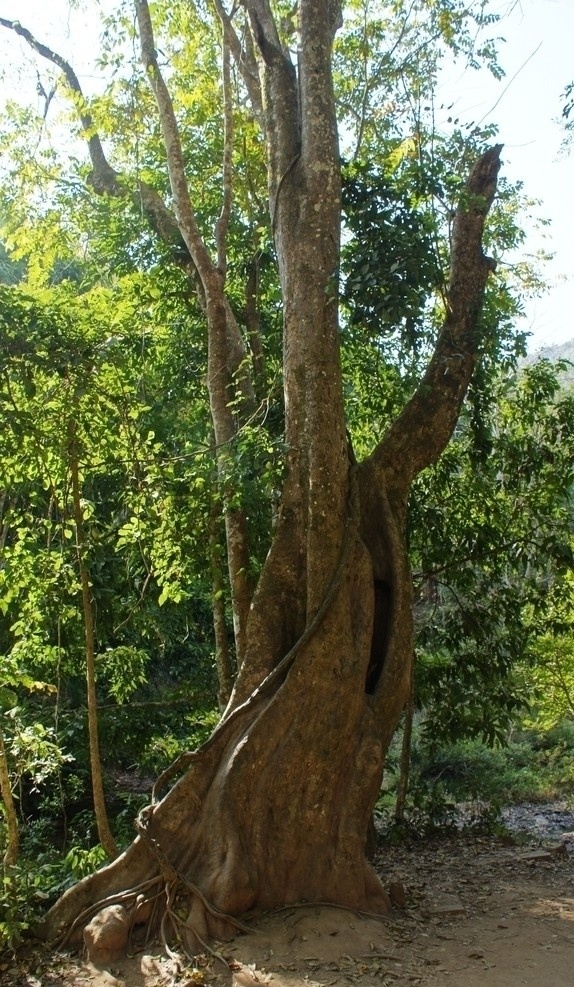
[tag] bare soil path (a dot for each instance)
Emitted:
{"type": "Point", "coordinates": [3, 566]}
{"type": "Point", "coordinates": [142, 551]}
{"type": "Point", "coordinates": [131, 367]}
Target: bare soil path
{"type": "Point", "coordinates": [478, 912]}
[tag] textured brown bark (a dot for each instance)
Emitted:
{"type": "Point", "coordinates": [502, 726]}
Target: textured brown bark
{"type": "Point", "coordinates": [274, 808]}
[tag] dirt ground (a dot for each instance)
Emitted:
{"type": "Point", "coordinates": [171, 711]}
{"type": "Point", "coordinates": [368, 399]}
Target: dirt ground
{"type": "Point", "coordinates": [478, 912]}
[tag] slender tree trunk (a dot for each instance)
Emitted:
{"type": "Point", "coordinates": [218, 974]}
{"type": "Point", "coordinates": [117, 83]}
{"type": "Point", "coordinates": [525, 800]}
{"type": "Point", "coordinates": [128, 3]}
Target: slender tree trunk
{"type": "Point", "coordinates": [12, 831]}
{"type": "Point", "coordinates": [12, 850]}
{"type": "Point", "coordinates": [405, 762]}
{"type": "Point", "coordinates": [104, 832]}
{"type": "Point", "coordinates": [222, 655]}
{"type": "Point", "coordinates": [224, 375]}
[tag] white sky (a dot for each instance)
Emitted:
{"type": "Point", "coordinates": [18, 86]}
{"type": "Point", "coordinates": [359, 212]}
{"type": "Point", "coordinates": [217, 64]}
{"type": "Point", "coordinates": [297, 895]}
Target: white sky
{"type": "Point", "coordinates": [526, 106]}
{"type": "Point", "coordinates": [539, 63]}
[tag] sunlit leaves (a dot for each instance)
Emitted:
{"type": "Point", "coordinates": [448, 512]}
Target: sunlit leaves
{"type": "Point", "coordinates": [387, 61]}
{"type": "Point", "coordinates": [125, 669]}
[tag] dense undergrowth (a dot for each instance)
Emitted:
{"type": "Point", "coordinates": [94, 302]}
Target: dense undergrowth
{"type": "Point", "coordinates": [58, 835]}
{"type": "Point", "coordinates": [534, 765]}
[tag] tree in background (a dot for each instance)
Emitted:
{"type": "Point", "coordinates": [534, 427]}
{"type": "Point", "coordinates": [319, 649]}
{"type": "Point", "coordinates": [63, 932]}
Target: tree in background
{"type": "Point", "coordinates": [63, 376]}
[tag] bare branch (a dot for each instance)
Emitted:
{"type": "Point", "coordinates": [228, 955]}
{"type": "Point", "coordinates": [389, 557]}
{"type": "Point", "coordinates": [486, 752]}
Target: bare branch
{"type": "Point", "coordinates": [421, 432]}
{"type": "Point", "coordinates": [244, 58]}
{"type": "Point", "coordinates": [104, 177]}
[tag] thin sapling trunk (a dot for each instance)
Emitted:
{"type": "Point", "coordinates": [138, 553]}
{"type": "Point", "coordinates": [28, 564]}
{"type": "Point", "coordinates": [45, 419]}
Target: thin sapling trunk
{"type": "Point", "coordinates": [104, 832]}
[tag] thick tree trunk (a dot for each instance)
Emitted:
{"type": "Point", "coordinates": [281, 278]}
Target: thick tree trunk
{"type": "Point", "coordinates": [274, 808]}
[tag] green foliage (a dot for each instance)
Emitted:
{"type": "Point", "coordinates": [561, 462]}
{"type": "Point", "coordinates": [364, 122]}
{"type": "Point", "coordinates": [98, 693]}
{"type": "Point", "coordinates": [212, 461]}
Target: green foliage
{"type": "Point", "coordinates": [33, 753]}
{"type": "Point", "coordinates": [567, 114]}
{"type": "Point", "coordinates": [386, 64]}
{"type": "Point", "coordinates": [491, 539]}
{"type": "Point", "coordinates": [82, 358]}
{"type": "Point", "coordinates": [11, 272]}
{"type": "Point", "coordinates": [125, 669]}
{"type": "Point", "coordinates": [78, 369]}
{"type": "Point", "coordinates": [550, 679]}
{"type": "Point", "coordinates": [471, 771]}
{"type": "Point", "coordinates": [389, 263]}
{"type": "Point", "coordinates": [15, 913]}
{"type": "Point", "coordinates": [40, 876]}
{"type": "Point", "coordinates": [80, 862]}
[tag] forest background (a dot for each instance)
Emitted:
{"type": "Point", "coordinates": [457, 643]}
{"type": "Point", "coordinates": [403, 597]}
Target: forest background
{"type": "Point", "coordinates": [113, 554]}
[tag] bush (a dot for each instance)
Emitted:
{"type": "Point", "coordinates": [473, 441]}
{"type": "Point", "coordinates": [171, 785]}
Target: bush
{"type": "Point", "coordinates": [534, 766]}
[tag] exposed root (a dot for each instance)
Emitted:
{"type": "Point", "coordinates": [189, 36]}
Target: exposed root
{"type": "Point", "coordinates": [173, 878]}
{"type": "Point", "coordinates": [143, 900]}
{"type": "Point", "coordinates": [151, 923]}
{"type": "Point", "coordinates": [121, 898]}
{"type": "Point", "coordinates": [180, 928]}
{"type": "Point", "coordinates": [380, 916]}
{"type": "Point", "coordinates": [215, 912]}
{"type": "Point", "coordinates": [170, 914]}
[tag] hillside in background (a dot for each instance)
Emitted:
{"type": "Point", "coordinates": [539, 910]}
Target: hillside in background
{"type": "Point", "coordinates": [560, 351]}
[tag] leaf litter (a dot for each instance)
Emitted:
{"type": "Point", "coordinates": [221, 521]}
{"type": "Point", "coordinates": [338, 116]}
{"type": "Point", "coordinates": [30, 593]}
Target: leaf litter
{"type": "Point", "coordinates": [506, 919]}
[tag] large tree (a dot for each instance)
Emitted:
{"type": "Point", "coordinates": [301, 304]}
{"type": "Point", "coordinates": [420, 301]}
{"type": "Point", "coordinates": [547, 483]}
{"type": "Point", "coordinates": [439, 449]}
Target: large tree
{"type": "Point", "coordinates": [274, 808]}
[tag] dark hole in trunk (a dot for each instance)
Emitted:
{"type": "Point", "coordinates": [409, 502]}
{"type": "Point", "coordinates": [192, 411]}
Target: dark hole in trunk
{"type": "Point", "coordinates": [380, 640]}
